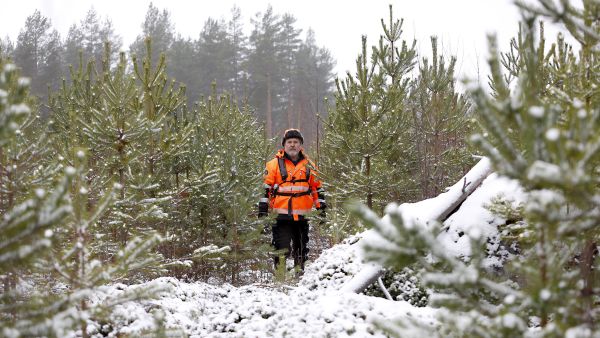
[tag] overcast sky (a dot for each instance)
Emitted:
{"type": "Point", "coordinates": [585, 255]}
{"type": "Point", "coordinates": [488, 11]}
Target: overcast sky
{"type": "Point", "coordinates": [461, 25]}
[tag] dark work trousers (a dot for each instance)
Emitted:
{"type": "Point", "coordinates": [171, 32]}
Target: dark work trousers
{"type": "Point", "coordinates": [296, 232]}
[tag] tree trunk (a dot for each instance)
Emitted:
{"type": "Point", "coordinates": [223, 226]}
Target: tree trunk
{"type": "Point", "coordinates": [269, 108]}
{"type": "Point", "coordinates": [2, 171]}
{"type": "Point", "coordinates": [368, 174]}
{"type": "Point", "coordinates": [290, 115]}
{"type": "Point", "coordinates": [590, 251]}
{"type": "Point", "coordinates": [11, 193]}
{"type": "Point", "coordinates": [88, 178]}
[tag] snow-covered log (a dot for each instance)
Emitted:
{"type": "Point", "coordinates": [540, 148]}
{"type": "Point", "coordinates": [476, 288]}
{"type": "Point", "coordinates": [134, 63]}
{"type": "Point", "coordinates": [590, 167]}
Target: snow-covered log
{"type": "Point", "coordinates": [437, 208]}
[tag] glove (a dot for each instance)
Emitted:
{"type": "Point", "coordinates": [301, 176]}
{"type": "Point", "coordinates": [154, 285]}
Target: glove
{"type": "Point", "coordinates": [322, 212]}
{"type": "Point", "coordinates": [263, 209]}
{"type": "Point", "coordinates": [321, 200]}
{"type": "Point", "coordinates": [322, 207]}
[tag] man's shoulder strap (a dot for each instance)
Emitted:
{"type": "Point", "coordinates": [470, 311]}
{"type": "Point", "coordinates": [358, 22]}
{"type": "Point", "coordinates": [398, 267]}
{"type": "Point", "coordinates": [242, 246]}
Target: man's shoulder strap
{"type": "Point", "coordinates": [282, 169]}
{"type": "Point", "coordinates": [307, 166]}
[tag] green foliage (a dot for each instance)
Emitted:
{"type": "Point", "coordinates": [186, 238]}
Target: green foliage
{"type": "Point", "coordinates": [391, 124]}
{"type": "Point", "coordinates": [81, 265]}
{"type": "Point", "coordinates": [395, 134]}
{"type": "Point", "coordinates": [555, 157]}
{"type": "Point", "coordinates": [127, 122]}
{"type": "Point", "coordinates": [465, 289]}
{"type": "Point", "coordinates": [515, 229]}
{"type": "Point", "coordinates": [401, 285]}
{"type": "Point", "coordinates": [24, 155]}
{"type": "Point", "coordinates": [238, 52]}
{"type": "Point", "coordinates": [27, 216]}
{"type": "Point", "coordinates": [312, 88]}
{"type": "Point", "coordinates": [543, 132]}
{"type": "Point", "coordinates": [27, 229]}
{"type": "Point", "coordinates": [366, 136]}
{"type": "Point", "coordinates": [225, 161]}
{"type": "Point", "coordinates": [214, 51]}
{"type": "Point", "coordinates": [440, 123]}
{"type": "Point", "coordinates": [191, 176]}
{"type": "Point", "coordinates": [264, 66]}
{"type": "Point", "coordinates": [46, 234]}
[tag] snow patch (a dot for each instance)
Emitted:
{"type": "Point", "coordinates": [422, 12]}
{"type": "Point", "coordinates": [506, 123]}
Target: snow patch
{"type": "Point", "coordinates": [552, 134]}
{"type": "Point", "coordinates": [473, 217]}
{"type": "Point", "coordinates": [536, 111]}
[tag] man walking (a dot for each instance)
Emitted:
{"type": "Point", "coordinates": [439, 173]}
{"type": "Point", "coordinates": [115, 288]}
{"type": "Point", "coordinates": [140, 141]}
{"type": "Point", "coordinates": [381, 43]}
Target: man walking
{"type": "Point", "coordinates": [291, 191]}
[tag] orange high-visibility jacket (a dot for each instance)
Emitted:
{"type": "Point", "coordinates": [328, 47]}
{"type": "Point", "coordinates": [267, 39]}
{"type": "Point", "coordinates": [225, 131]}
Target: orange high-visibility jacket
{"type": "Point", "coordinates": [298, 193]}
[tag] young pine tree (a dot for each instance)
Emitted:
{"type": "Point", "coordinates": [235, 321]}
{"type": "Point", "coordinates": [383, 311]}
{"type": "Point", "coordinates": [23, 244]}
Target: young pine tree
{"type": "Point", "coordinates": [440, 124]}
{"type": "Point", "coordinates": [56, 212]}
{"type": "Point", "coordinates": [29, 212]}
{"type": "Point", "coordinates": [226, 157]}
{"type": "Point", "coordinates": [81, 263]}
{"type": "Point", "coordinates": [25, 163]}
{"type": "Point", "coordinates": [367, 135]}
{"type": "Point", "coordinates": [126, 123]}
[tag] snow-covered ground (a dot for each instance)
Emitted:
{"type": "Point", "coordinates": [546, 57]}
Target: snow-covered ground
{"type": "Point", "coordinates": [203, 310]}
{"type": "Point", "coordinates": [313, 307]}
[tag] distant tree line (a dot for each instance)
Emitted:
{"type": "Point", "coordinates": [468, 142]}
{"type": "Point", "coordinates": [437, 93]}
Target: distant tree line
{"type": "Point", "coordinates": [282, 75]}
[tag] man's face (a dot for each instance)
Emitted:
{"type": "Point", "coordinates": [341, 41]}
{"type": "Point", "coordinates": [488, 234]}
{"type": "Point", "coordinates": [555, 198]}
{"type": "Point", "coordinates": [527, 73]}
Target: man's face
{"type": "Point", "coordinates": [292, 146]}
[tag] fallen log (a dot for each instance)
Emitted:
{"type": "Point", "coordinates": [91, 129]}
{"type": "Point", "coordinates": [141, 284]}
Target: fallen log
{"type": "Point", "coordinates": [438, 208]}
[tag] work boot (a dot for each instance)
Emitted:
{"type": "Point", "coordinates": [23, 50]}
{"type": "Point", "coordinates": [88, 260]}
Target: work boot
{"type": "Point", "coordinates": [299, 262]}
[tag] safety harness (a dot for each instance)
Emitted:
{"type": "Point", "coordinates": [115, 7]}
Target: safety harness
{"type": "Point", "coordinates": [284, 175]}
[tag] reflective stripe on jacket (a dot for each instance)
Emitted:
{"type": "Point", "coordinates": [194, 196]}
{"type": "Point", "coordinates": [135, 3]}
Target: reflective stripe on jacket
{"type": "Point", "coordinates": [297, 194]}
